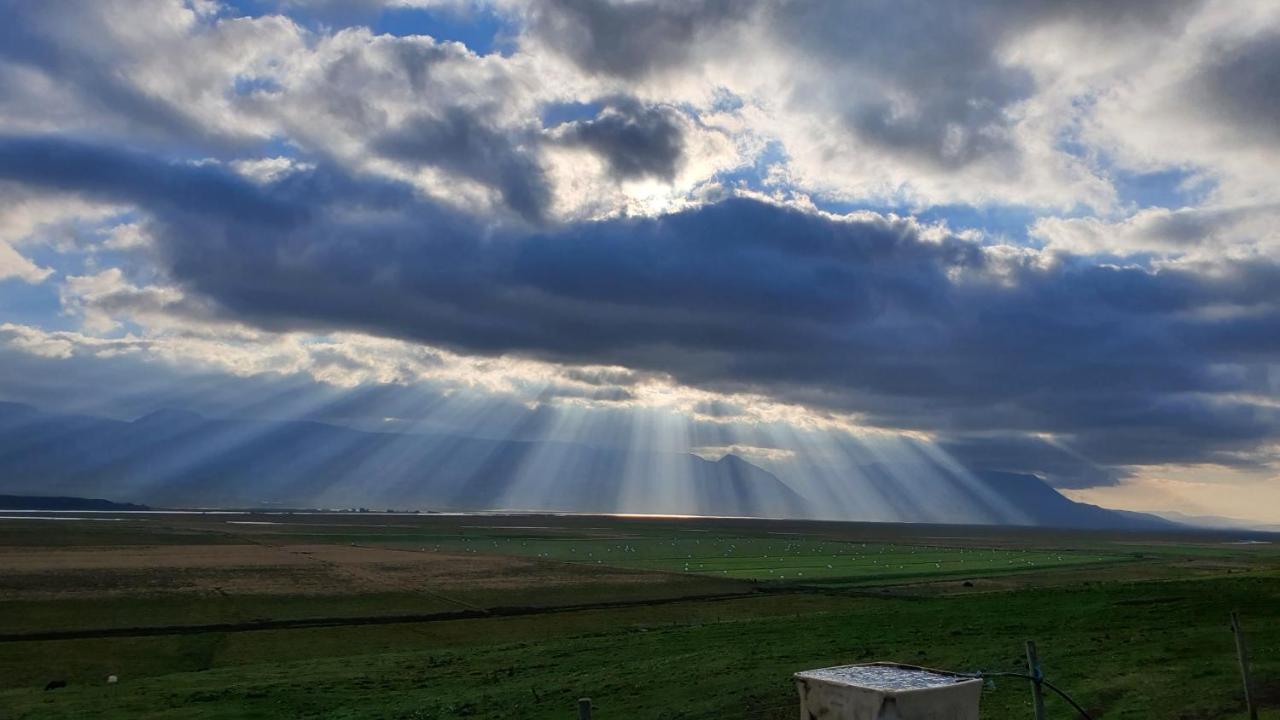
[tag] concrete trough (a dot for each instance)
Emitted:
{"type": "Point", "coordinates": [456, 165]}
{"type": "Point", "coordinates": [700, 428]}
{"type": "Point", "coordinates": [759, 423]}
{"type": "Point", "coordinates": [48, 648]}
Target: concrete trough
{"type": "Point", "coordinates": [886, 691]}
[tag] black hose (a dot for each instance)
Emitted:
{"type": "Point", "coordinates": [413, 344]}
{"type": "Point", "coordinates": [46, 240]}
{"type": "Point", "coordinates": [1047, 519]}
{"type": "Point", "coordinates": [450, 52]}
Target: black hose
{"type": "Point", "coordinates": [1042, 681]}
{"type": "Point", "coordinates": [1066, 697]}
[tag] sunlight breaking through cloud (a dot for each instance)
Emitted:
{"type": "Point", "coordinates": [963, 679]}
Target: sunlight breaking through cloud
{"type": "Point", "coordinates": [654, 256]}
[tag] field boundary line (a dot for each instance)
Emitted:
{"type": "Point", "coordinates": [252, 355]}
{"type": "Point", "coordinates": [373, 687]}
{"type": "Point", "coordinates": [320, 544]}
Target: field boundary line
{"type": "Point", "coordinates": [356, 620]}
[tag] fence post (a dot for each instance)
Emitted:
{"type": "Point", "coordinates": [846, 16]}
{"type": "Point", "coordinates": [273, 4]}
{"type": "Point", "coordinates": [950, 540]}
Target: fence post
{"type": "Point", "coordinates": [1033, 669]}
{"type": "Point", "coordinates": [584, 708]}
{"type": "Point", "coordinates": [1242, 654]}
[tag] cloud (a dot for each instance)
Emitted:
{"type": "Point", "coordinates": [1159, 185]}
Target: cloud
{"type": "Point", "coordinates": [935, 104]}
{"type": "Point", "coordinates": [1241, 86]}
{"type": "Point", "coordinates": [635, 140]}
{"type": "Point", "coordinates": [1188, 232]}
{"type": "Point", "coordinates": [905, 326]}
{"type": "Point", "coordinates": [125, 237]}
{"type": "Point", "coordinates": [162, 74]}
{"type": "Point", "coordinates": [1061, 465]}
{"type": "Point", "coordinates": [1201, 103]}
{"type": "Point", "coordinates": [14, 265]}
{"type": "Point", "coordinates": [630, 39]}
{"type": "Point", "coordinates": [102, 299]}
{"type": "Point", "coordinates": [462, 143]}
{"type": "Point", "coordinates": [927, 103]}
{"type": "Point", "coordinates": [154, 71]}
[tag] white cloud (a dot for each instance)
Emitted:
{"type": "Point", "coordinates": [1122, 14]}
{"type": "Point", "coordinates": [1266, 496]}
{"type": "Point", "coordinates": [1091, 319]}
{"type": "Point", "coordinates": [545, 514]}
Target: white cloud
{"type": "Point", "coordinates": [271, 169]}
{"type": "Point", "coordinates": [102, 300]}
{"type": "Point", "coordinates": [35, 217]}
{"type": "Point", "coordinates": [1203, 233]}
{"type": "Point", "coordinates": [126, 236]}
{"type": "Point", "coordinates": [1165, 108]}
{"type": "Point", "coordinates": [14, 265]}
{"type": "Point", "coordinates": [156, 68]}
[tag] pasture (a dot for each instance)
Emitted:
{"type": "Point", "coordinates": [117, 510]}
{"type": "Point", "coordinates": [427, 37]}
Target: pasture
{"type": "Point", "coordinates": [423, 616]}
{"type": "Point", "coordinates": [793, 557]}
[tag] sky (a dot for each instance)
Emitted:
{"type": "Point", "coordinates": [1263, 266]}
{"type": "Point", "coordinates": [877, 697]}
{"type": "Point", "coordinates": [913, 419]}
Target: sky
{"type": "Point", "coordinates": [1030, 236]}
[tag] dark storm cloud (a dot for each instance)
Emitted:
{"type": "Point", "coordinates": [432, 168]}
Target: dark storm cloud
{"type": "Point", "coordinates": [1124, 363]}
{"type": "Point", "coordinates": [460, 142]}
{"type": "Point", "coordinates": [113, 173]}
{"type": "Point", "coordinates": [1100, 430]}
{"type": "Point", "coordinates": [631, 39]}
{"type": "Point", "coordinates": [1242, 86]}
{"type": "Point", "coordinates": [636, 140]}
{"type": "Point", "coordinates": [1029, 454]}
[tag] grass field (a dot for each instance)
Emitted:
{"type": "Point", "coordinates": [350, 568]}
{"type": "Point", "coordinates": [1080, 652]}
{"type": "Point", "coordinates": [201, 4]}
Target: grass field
{"type": "Point", "coordinates": [668, 619]}
{"type": "Point", "coordinates": [795, 558]}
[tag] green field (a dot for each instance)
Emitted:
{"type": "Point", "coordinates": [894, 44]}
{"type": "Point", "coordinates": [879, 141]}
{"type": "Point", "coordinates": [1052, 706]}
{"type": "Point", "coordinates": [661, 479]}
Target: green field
{"type": "Point", "coordinates": [1132, 626]}
{"type": "Point", "coordinates": [794, 558]}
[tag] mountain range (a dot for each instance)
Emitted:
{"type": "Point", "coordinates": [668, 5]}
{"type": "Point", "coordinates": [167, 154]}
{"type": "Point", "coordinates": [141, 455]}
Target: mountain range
{"type": "Point", "coordinates": [179, 459]}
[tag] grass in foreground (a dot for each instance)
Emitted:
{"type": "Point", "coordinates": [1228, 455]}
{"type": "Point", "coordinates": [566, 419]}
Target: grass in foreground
{"type": "Point", "coordinates": [1133, 627]}
{"type": "Point", "coordinates": [1124, 650]}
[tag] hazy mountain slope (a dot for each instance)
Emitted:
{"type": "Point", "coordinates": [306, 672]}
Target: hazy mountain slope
{"type": "Point", "coordinates": [175, 459]}
{"type": "Point", "coordinates": [1217, 522]}
{"type": "Point", "coordinates": [1047, 507]}
{"type": "Point", "coordinates": [36, 502]}
{"type": "Point", "coordinates": [178, 459]}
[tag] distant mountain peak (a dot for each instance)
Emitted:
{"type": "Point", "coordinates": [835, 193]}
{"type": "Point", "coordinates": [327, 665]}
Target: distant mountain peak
{"type": "Point", "coordinates": [1043, 505]}
{"type": "Point", "coordinates": [170, 416]}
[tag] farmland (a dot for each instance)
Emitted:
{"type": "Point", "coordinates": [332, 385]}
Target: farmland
{"type": "Point", "coordinates": [422, 616]}
{"type": "Point", "coordinates": [772, 558]}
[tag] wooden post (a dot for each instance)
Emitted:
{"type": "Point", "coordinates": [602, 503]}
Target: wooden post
{"type": "Point", "coordinates": [1033, 669]}
{"type": "Point", "coordinates": [1242, 654]}
{"type": "Point", "coordinates": [584, 708]}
